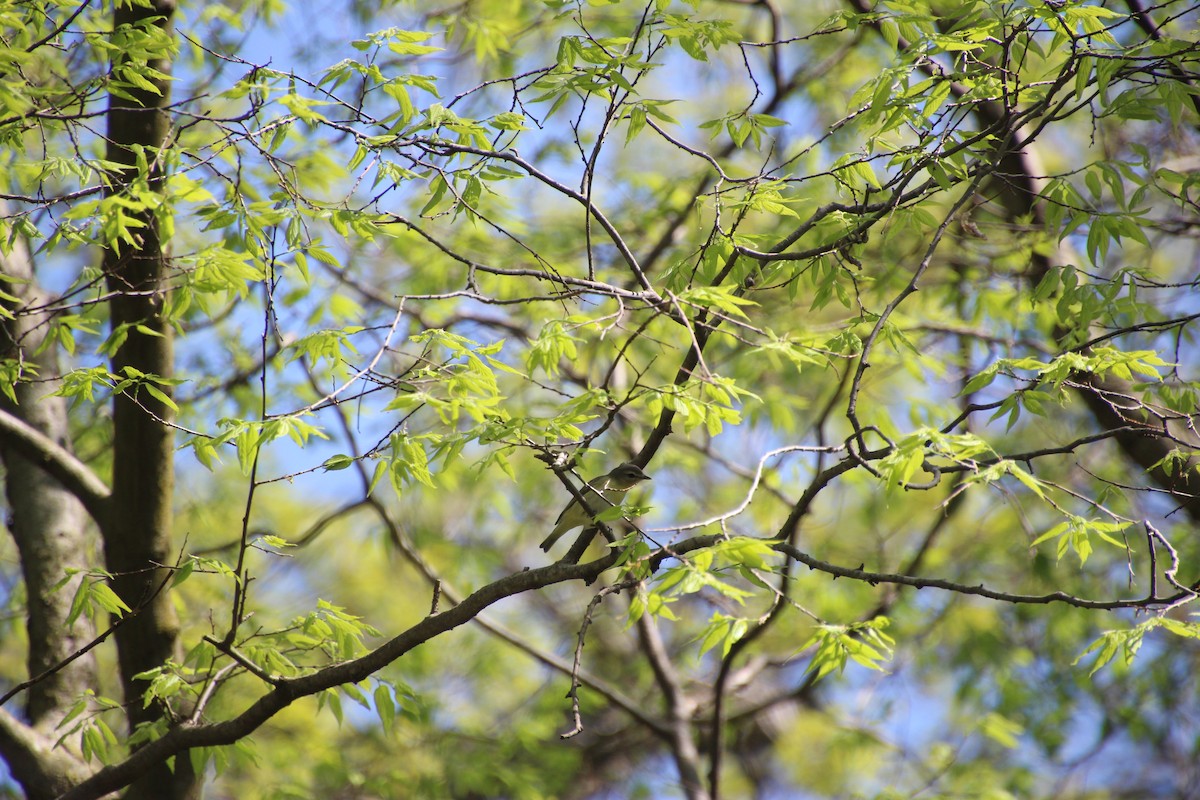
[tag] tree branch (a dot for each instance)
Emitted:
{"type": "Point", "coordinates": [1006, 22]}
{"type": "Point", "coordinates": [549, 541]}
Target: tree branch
{"type": "Point", "coordinates": [68, 470]}
{"type": "Point", "coordinates": [873, 578]}
{"type": "Point", "coordinates": [43, 769]}
{"type": "Point", "coordinates": [187, 736]}
{"type": "Point", "coordinates": [679, 708]}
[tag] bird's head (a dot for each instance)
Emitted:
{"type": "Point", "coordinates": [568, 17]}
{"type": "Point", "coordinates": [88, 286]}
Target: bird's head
{"type": "Point", "coordinates": [625, 476]}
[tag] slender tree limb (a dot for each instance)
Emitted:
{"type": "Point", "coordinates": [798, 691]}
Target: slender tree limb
{"type": "Point", "coordinates": [77, 654]}
{"type": "Point", "coordinates": [679, 708]}
{"type": "Point", "coordinates": [978, 590]}
{"type": "Point", "coordinates": [609, 228]}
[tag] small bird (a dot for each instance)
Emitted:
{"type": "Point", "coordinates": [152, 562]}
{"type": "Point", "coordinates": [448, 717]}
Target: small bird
{"type": "Point", "coordinates": [612, 485]}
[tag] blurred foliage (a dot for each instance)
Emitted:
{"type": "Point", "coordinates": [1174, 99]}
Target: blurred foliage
{"type": "Point", "coordinates": [781, 254]}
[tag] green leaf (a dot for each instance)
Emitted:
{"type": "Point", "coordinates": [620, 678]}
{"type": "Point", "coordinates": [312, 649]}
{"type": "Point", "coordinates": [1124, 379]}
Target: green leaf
{"type": "Point", "coordinates": [385, 707]}
{"type": "Point", "coordinates": [160, 396]}
{"type": "Point", "coordinates": [337, 462]}
{"type": "Point", "coordinates": [107, 599]}
{"type": "Point", "coordinates": [721, 298]}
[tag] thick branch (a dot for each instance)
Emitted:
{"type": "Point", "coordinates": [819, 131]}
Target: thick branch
{"type": "Point", "coordinates": [287, 691]}
{"type": "Point", "coordinates": [61, 463]}
{"type": "Point", "coordinates": [45, 771]}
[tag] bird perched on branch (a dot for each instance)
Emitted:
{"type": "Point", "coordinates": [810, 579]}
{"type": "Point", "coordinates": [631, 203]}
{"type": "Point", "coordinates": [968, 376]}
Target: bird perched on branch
{"type": "Point", "coordinates": [611, 486]}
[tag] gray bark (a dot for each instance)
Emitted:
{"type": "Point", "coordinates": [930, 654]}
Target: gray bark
{"type": "Point", "coordinates": [52, 533]}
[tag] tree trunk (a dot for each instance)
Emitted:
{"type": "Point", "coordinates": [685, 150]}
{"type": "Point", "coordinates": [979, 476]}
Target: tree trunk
{"type": "Point", "coordinates": [51, 531]}
{"type": "Point", "coordinates": [137, 537]}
